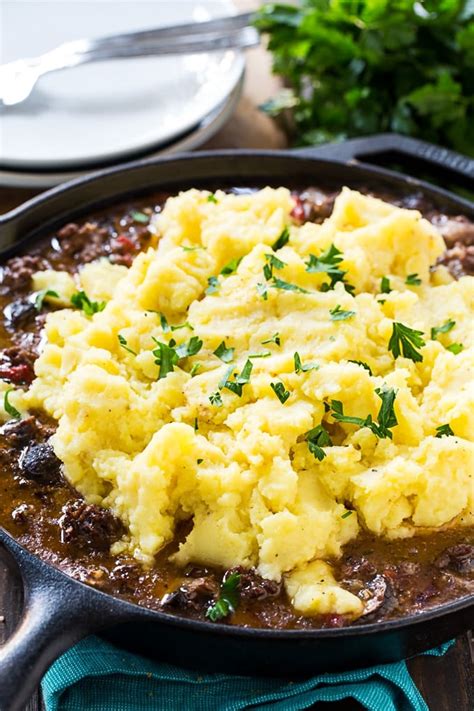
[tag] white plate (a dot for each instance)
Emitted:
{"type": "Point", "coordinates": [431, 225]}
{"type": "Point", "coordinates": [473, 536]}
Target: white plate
{"type": "Point", "coordinates": [210, 125]}
{"type": "Point", "coordinates": [109, 110]}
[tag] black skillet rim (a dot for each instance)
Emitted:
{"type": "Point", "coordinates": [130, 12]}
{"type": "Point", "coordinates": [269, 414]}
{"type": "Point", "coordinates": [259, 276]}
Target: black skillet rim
{"type": "Point", "coordinates": [358, 170]}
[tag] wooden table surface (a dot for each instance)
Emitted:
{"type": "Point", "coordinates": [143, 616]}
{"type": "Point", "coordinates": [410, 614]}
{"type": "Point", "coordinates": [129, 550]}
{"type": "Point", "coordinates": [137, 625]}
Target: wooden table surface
{"type": "Point", "coordinates": [446, 683]}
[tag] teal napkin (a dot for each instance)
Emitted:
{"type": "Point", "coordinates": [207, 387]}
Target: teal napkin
{"type": "Point", "coordinates": [96, 676]}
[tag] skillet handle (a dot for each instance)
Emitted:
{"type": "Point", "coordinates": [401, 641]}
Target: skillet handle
{"type": "Point", "coordinates": [374, 148]}
{"type": "Point", "coordinates": [57, 613]}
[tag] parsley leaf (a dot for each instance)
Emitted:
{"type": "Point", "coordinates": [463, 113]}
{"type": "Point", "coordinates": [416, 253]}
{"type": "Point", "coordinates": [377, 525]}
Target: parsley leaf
{"type": "Point", "coordinates": [282, 240]}
{"type": "Point", "coordinates": [408, 339]}
{"type": "Point", "coordinates": [299, 368]}
{"type": "Point", "coordinates": [274, 262]}
{"type": "Point", "coordinates": [386, 416]}
{"type": "Point", "coordinates": [41, 295]}
{"type": "Point", "coordinates": [213, 285]}
{"type": "Point", "coordinates": [212, 198]}
{"type": "Point", "coordinates": [123, 342]}
{"type": "Point", "coordinates": [337, 314]}
{"type": "Point", "coordinates": [327, 263]}
{"type": "Point", "coordinates": [8, 407]}
{"type": "Point", "coordinates": [455, 348]}
{"type": "Point", "coordinates": [444, 328]}
{"type": "Point", "coordinates": [228, 599]}
{"type": "Point", "coordinates": [140, 217]}
{"type": "Point", "coordinates": [280, 391]}
{"type": "Point", "coordinates": [317, 438]}
{"type": "Point", "coordinates": [166, 357]}
{"type": "Point", "coordinates": [262, 291]}
{"type": "Point", "coordinates": [260, 355]}
{"type": "Point", "coordinates": [362, 364]}
{"type": "Point", "coordinates": [274, 339]}
{"type": "Point", "coordinates": [413, 280]}
{"type": "Point", "coordinates": [225, 354]}
{"type": "Point", "coordinates": [444, 431]}
{"type": "Point", "coordinates": [195, 369]}
{"type": "Point", "coordinates": [231, 266]}
{"type": "Point", "coordinates": [191, 249]}
{"type": "Point", "coordinates": [286, 286]}
{"type": "Point", "coordinates": [81, 301]}
{"type": "Point", "coordinates": [193, 346]}
{"type": "Point", "coordinates": [346, 514]}
{"type": "Point", "coordinates": [215, 399]}
{"type": "Point", "coordinates": [385, 287]}
{"type": "Point", "coordinates": [236, 386]}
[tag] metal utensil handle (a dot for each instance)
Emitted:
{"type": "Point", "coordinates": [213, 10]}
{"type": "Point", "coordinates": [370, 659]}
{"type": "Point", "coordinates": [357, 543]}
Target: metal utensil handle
{"type": "Point", "coordinates": [357, 149]}
{"type": "Point", "coordinates": [58, 613]}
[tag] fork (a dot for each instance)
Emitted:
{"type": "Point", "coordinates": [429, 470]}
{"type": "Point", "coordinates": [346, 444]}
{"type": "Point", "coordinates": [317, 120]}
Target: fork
{"type": "Point", "coordinates": [18, 78]}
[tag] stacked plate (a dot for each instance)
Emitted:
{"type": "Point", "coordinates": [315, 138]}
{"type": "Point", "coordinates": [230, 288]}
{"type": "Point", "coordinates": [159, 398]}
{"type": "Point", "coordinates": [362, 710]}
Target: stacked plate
{"type": "Point", "coordinates": [82, 119]}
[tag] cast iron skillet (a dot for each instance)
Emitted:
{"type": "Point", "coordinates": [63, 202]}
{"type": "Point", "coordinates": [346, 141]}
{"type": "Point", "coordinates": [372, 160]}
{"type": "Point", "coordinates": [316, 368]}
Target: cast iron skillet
{"type": "Point", "coordinates": [58, 610]}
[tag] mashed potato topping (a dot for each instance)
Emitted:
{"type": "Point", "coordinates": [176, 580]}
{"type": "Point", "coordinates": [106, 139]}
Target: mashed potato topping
{"type": "Point", "coordinates": [280, 386]}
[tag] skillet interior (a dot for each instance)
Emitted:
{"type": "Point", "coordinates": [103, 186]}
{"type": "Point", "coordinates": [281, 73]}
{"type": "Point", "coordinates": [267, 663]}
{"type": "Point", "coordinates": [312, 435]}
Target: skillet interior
{"type": "Point", "coordinates": [349, 646]}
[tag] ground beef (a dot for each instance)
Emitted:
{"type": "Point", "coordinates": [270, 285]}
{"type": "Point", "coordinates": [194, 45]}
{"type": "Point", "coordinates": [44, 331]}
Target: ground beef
{"type": "Point", "coordinates": [313, 205]}
{"type": "Point", "coordinates": [23, 514]}
{"type": "Point", "coordinates": [19, 313]}
{"type": "Point", "coordinates": [454, 229]}
{"type": "Point", "coordinates": [17, 272]}
{"type": "Point", "coordinates": [16, 365]}
{"type": "Point", "coordinates": [253, 587]}
{"type": "Point", "coordinates": [20, 433]}
{"type": "Point", "coordinates": [193, 595]}
{"type": "Point", "coordinates": [88, 526]}
{"type": "Point", "coordinates": [459, 559]}
{"type": "Point", "coordinates": [459, 259]}
{"type": "Point", "coordinates": [39, 463]}
{"type": "Point", "coordinates": [84, 243]}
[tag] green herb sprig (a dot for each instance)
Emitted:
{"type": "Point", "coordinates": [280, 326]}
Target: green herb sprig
{"type": "Point", "coordinates": [81, 301]}
{"type": "Point", "coordinates": [228, 599]}
{"type": "Point", "coordinates": [406, 340]}
{"type": "Point", "coordinates": [317, 438]}
{"type": "Point", "coordinates": [386, 418]}
{"type": "Point", "coordinates": [8, 407]}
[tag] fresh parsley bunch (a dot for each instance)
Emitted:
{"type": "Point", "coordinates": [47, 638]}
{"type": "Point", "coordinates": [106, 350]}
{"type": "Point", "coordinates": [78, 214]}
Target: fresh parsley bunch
{"type": "Point", "coordinates": [357, 67]}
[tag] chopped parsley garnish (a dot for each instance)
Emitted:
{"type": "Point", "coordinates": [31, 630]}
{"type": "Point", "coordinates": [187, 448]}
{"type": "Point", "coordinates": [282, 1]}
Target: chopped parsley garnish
{"type": "Point", "coordinates": [81, 301]}
{"type": "Point", "coordinates": [8, 407]}
{"type": "Point", "coordinates": [282, 239]}
{"type": "Point", "coordinates": [123, 342]}
{"type": "Point", "coordinates": [386, 417]}
{"type": "Point", "coordinates": [413, 280]}
{"type": "Point", "coordinates": [196, 424]}
{"type": "Point", "coordinates": [272, 263]}
{"type": "Point", "coordinates": [274, 339]}
{"type": "Point", "coordinates": [140, 217]}
{"type": "Point", "coordinates": [167, 327]}
{"type": "Point", "coordinates": [280, 391]}
{"type": "Point", "coordinates": [193, 346]}
{"type": "Point", "coordinates": [317, 438]}
{"type": "Point", "coordinates": [231, 266]}
{"type": "Point", "coordinates": [328, 263]}
{"type": "Point", "coordinates": [195, 369]}
{"type": "Point", "coordinates": [406, 340]}
{"type": "Point", "coordinates": [41, 296]}
{"type": "Point", "coordinates": [262, 291]}
{"type": "Point", "coordinates": [444, 431]}
{"type": "Point", "coordinates": [362, 364]}
{"type": "Point", "coordinates": [286, 286]}
{"type": "Point", "coordinates": [455, 348]}
{"type": "Point", "coordinates": [225, 354]}
{"type": "Point", "coordinates": [228, 599]}
{"type": "Point", "coordinates": [346, 514]}
{"type": "Point", "coordinates": [260, 355]}
{"type": "Point", "coordinates": [215, 399]}
{"type": "Point", "coordinates": [300, 368]}
{"type": "Point", "coordinates": [337, 314]}
{"type": "Point", "coordinates": [191, 249]}
{"type": "Point", "coordinates": [167, 355]}
{"type": "Point", "coordinates": [444, 328]}
{"type": "Point", "coordinates": [237, 385]}
{"type": "Point", "coordinates": [199, 461]}
{"type": "Point", "coordinates": [212, 198]}
{"type": "Point", "coordinates": [385, 287]}
{"type": "Point", "coordinates": [212, 285]}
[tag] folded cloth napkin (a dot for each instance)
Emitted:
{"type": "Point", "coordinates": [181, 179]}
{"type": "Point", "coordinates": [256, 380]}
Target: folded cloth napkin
{"type": "Point", "coordinates": [96, 676]}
